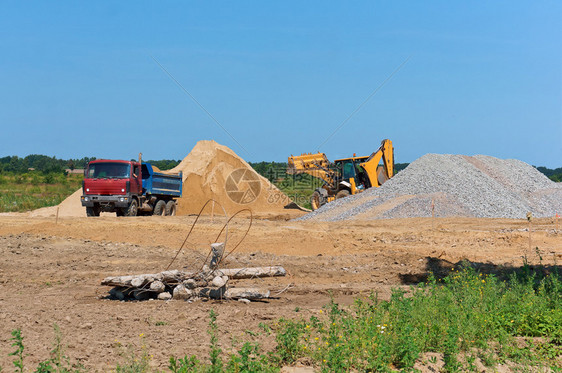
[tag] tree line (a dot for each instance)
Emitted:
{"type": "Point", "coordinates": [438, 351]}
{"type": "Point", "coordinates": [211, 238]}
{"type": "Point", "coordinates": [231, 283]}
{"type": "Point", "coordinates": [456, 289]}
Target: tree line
{"type": "Point", "coordinates": [553, 174]}
{"type": "Point", "coordinates": [273, 171]}
{"type": "Point", "coordinates": [40, 163]}
{"type": "Point", "coordinates": [53, 165]}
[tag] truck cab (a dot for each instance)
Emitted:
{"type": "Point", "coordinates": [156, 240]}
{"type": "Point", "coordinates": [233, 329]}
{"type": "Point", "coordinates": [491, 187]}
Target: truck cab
{"type": "Point", "coordinates": [129, 188]}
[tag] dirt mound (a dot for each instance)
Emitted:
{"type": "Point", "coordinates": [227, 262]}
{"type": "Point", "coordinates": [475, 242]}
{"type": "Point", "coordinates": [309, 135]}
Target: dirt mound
{"type": "Point", "coordinates": [455, 185]}
{"type": "Point", "coordinates": [70, 207]}
{"type": "Point", "coordinates": [214, 171]}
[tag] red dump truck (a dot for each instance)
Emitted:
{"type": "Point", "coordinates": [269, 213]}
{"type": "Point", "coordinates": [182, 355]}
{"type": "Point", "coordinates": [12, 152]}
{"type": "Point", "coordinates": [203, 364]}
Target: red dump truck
{"type": "Point", "coordinates": [129, 188]}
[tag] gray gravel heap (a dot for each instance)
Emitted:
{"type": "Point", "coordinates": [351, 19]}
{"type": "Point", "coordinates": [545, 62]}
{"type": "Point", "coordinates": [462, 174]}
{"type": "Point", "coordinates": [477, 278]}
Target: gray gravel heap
{"type": "Point", "coordinates": [478, 186]}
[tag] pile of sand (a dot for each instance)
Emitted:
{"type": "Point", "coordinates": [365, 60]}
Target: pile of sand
{"type": "Point", "coordinates": [214, 171]}
{"type": "Point", "coordinates": [70, 207]}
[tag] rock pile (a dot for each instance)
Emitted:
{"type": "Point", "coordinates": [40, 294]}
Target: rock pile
{"type": "Point", "coordinates": [455, 185]}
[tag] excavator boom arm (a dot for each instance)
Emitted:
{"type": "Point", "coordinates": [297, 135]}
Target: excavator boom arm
{"type": "Point", "coordinates": [386, 152]}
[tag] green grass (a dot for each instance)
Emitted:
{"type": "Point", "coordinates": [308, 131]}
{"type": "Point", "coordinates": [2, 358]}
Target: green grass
{"type": "Point", "coordinates": [463, 318]}
{"type": "Point", "coordinates": [298, 188]}
{"type": "Point", "coordinates": [299, 191]}
{"type": "Point", "coordinates": [24, 192]}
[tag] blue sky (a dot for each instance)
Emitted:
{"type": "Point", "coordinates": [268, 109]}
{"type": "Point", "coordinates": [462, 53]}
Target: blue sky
{"type": "Point", "coordinates": [78, 78]}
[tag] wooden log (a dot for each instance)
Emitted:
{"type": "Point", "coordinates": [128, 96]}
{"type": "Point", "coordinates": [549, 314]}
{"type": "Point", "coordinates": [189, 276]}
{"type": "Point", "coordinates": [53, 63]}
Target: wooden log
{"type": "Point", "coordinates": [167, 277]}
{"type": "Point", "coordinates": [241, 273]}
{"type": "Point", "coordinates": [217, 250]}
{"type": "Point", "coordinates": [138, 282]}
{"type": "Point", "coordinates": [200, 279]}
{"type": "Point", "coordinates": [246, 293]}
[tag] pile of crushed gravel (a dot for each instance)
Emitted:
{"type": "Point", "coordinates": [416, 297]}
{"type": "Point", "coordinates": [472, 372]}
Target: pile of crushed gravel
{"type": "Point", "coordinates": [457, 185]}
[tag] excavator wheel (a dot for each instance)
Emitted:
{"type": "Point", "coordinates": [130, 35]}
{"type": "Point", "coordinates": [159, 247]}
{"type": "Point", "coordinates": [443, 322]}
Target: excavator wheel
{"type": "Point", "coordinates": [342, 193]}
{"type": "Point", "coordinates": [316, 200]}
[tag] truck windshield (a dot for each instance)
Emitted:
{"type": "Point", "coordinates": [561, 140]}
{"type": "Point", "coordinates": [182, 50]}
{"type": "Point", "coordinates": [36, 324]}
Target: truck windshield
{"type": "Point", "coordinates": [109, 170]}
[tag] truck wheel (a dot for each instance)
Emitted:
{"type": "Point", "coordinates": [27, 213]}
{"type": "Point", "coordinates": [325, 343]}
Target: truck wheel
{"type": "Point", "coordinates": [160, 208]}
{"type": "Point", "coordinates": [133, 208]}
{"type": "Point", "coordinates": [171, 208]}
{"type": "Point", "coordinates": [93, 211]}
{"type": "Point", "coordinates": [342, 193]}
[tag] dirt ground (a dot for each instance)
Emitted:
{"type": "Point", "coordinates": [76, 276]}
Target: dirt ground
{"type": "Point", "coordinates": [50, 273]}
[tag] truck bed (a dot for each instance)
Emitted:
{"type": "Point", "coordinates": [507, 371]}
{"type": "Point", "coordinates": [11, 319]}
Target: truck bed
{"type": "Point", "coordinates": [160, 184]}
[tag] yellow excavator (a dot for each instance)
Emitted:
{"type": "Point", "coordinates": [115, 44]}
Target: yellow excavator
{"type": "Point", "coordinates": [345, 176]}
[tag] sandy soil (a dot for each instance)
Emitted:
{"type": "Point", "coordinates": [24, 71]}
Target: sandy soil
{"type": "Point", "coordinates": [51, 273]}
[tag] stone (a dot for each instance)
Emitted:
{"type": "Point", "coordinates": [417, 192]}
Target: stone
{"type": "Point", "coordinates": [164, 296]}
{"type": "Point", "coordinates": [157, 286]}
{"type": "Point", "coordinates": [219, 281]}
{"type": "Point", "coordinates": [181, 292]}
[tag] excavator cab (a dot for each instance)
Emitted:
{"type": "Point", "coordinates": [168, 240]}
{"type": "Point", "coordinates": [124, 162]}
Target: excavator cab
{"type": "Point", "coordinates": [348, 169]}
{"type": "Point", "coordinates": [350, 176]}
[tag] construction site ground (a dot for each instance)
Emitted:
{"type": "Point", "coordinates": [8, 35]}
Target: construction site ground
{"type": "Point", "coordinates": [50, 273]}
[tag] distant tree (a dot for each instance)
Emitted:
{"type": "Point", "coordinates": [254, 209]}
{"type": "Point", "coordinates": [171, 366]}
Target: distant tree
{"type": "Point", "coordinates": [164, 164]}
{"type": "Point", "coordinates": [553, 174]}
{"type": "Point", "coordinates": [400, 166]}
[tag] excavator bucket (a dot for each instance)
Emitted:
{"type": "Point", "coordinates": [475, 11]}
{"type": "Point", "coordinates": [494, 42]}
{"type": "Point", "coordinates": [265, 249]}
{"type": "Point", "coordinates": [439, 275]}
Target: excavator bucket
{"type": "Point", "coordinates": [307, 162]}
{"type": "Point", "coordinates": [381, 175]}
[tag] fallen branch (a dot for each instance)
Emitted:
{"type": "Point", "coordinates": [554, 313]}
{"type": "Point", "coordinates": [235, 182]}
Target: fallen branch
{"type": "Point", "coordinates": [242, 273]}
{"type": "Point", "coordinates": [168, 277]}
{"type": "Point", "coordinates": [246, 293]}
